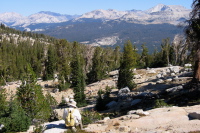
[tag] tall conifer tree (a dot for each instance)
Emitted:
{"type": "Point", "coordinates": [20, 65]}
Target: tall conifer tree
{"type": "Point", "coordinates": [98, 71]}
{"type": "Point", "coordinates": [50, 63]}
{"type": "Point", "coordinates": [77, 76]}
{"type": "Point", "coordinates": [126, 68]}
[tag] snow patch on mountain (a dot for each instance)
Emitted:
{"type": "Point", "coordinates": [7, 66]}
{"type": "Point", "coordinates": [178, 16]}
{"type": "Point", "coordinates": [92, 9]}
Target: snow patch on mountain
{"type": "Point", "coordinates": [15, 19]}
{"type": "Point", "coordinates": [10, 17]}
{"type": "Point", "coordinates": [172, 14]}
{"type": "Point", "coordinates": [111, 40]}
{"type": "Point", "coordinates": [166, 8]}
{"type": "Point", "coordinates": [45, 18]}
{"type": "Point", "coordinates": [159, 8]}
{"type": "Point", "coordinates": [104, 14]}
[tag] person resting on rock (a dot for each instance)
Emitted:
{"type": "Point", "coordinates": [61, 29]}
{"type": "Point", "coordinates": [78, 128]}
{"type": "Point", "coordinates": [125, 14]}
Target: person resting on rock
{"type": "Point", "coordinates": [72, 116]}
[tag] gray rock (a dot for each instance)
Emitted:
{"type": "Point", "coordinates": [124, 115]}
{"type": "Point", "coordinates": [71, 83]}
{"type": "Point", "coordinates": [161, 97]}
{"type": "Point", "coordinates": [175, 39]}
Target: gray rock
{"type": "Point", "coordinates": [131, 112]}
{"type": "Point", "coordinates": [152, 71]}
{"type": "Point", "coordinates": [111, 104]}
{"type": "Point", "coordinates": [158, 75]}
{"type": "Point", "coordinates": [173, 74]}
{"type": "Point", "coordinates": [174, 69]}
{"type": "Point", "coordinates": [145, 94]}
{"type": "Point", "coordinates": [140, 112]}
{"type": "Point", "coordinates": [164, 73]}
{"type": "Point", "coordinates": [136, 101]}
{"type": "Point", "coordinates": [106, 118]}
{"type": "Point", "coordinates": [188, 65]}
{"type": "Point", "coordinates": [137, 76]}
{"type": "Point", "coordinates": [169, 79]}
{"type": "Point", "coordinates": [46, 85]}
{"type": "Point", "coordinates": [194, 115]}
{"type": "Point", "coordinates": [128, 117]}
{"type": "Point", "coordinates": [1, 126]}
{"type": "Point", "coordinates": [179, 87]}
{"type": "Point", "coordinates": [174, 89]}
{"type": "Point", "coordinates": [55, 90]}
{"type": "Point", "coordinates": [124, 90]}
{"type": "Point", "coordinates": [176, 77]}
{"type": "Point", "coordinates": [160, 81]}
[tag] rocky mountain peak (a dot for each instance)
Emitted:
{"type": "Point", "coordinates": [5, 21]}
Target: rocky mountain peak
{"type": "Point", "coordinates": [10, 17]}
{"type": "Point", "coordinates": [159, 8]}
{"type": "Point", "coordinates": [104, 14]}
{"type": "Point", "coordinates": [169, 13]}
{"type": "Point", "coordinates": [166, 8]}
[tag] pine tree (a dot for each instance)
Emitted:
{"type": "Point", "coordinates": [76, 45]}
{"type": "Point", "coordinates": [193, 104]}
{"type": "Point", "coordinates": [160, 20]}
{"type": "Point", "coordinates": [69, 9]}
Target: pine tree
{"type": "Point", "coordinates": [12, 115]}
{"type": "Point", "coordinates": [117, 56]}
{"type": "Point", "coordinates": [50, 63]}
{"type": "Point", "coordinates": [166, 47]}
{"type": "Point", "coordinates": [193, 33]}
{"type": "Point", "coordinates": [98, 71]}
{"type": "Point", "coordinates": [17, 121]}
{"type": "Point", "coordinates": [3, 101]}
{"type": "Point", "coordinates": [78, 77]}
{"type": "Point", "coordinates": [31, 98]}
{"type": "Point", "coordinates": [64, 53]}
{"type": "Point", "coordinates": [126, 68]}
{"type": "Point", "coordinates": [145, 56]}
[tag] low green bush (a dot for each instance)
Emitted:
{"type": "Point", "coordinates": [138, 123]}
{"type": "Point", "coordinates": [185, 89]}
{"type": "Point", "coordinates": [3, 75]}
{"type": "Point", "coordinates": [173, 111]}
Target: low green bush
{"type": "Point", "coordinates": [103, 99]}
{"type": "Point", "coordinates": [89, 117]}
{"type": "Point", "coordinates": [159, 103]}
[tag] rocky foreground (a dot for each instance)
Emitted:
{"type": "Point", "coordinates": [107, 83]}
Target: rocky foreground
{"type": "Point", "coordinates": [151, 84]}
{"type": "Point", "coordinates": [160, 120]}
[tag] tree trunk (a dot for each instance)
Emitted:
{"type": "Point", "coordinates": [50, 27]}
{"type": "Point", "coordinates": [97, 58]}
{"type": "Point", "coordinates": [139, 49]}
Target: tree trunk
{"type": "Point", "coordinates": [196, 76]}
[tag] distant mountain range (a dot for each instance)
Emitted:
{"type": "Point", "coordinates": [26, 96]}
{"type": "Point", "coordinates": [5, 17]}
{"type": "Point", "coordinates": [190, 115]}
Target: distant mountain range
{"type": "Point", "coordinates": [13, 19]}
{"type": "Point", "coordinates": [105, 27]}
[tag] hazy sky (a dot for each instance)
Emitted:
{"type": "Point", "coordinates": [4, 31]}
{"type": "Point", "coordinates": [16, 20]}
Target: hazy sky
{"type": "Point", "coordinates": [71, 7]}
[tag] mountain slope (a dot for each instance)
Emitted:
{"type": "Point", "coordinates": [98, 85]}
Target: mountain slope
{"type": "Point", "coordinates": [106, 27]}
{"type": "Point", "coordinates": [156, 15]}
{"type": "Point", "coordinates": [113, 32]}
{"type": "Point", "coordinates": [10, 17]}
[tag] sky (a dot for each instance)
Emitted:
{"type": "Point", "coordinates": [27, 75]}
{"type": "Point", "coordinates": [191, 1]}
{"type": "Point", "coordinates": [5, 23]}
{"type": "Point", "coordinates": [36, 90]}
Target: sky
{"type": "Point", "coordinates": [79, 7]}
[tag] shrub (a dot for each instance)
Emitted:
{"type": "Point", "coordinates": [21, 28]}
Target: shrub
{"type": "Point", "coordinates": [32, 100]}
{"type": "Point", "coordinates": [103, 99]}
{"type": "Point", "coordinates": [39, 129]}
{"type": "Point", "coordinates": [3, 102]}
{"type": "Point", "coordinates": [63, 86]}
{"type": "Point", "coordinates": [160, 103]}
{"type": "Point", "coordinates": [89, 116]}
{"type": "Point", "coordinates": [15, 119]}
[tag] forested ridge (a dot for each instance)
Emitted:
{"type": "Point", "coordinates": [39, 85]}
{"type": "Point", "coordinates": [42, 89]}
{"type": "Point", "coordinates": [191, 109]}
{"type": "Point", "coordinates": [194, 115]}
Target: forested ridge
{"type": "Point", "coordinates": [45, 55]}
{"type": "Point", "coordinates": [48, 56]}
